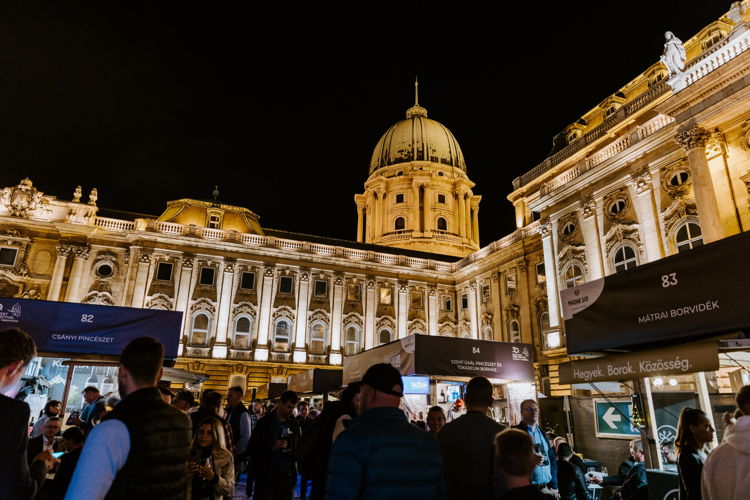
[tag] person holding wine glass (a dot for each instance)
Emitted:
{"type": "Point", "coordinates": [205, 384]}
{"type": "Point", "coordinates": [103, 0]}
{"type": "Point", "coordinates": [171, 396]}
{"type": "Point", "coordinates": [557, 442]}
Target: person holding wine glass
{"type": "Point", "coordinates": [211, 465]}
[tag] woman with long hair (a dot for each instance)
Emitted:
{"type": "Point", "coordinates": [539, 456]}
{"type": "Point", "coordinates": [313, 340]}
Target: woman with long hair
{"type": "Point", "coordinates": [211, 465]}
{"type": "Point", "coordinates": [435, 420]}
{"type": "Point", "coordinates": [694, 433]}
{"type": "Point", "coordinates": [51, 409]}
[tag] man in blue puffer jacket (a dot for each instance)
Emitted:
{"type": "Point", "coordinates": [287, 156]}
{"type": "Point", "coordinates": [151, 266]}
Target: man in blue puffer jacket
{"type": "Point", "coordinates": [381, 455]}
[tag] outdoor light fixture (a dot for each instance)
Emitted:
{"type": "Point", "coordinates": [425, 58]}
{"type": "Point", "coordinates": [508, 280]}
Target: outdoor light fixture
{"type": "Point", "coordinates": [658, 381]}
{"type": "Point", "coordinates": [672, 381]}
{"type": "Point", "coordinates": [553, 340]}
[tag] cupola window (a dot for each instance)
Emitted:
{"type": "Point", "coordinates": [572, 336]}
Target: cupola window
{"type": "Point", "coordinates": [8, 256]}
{"type": "Point", "coordinates": [679, 178]}
{"type": "Point", "coordinates": [441, 198]}
{"type": "Point", "coordinates": [400, 198]}
{"type": "Point", "coordinates": [164, 271]}
{"type": "Point", "coordinates": [399, 224]}
{"type": "Point", "coordinates": [617, 206]}
{"type": "Point", "coordinates": [442, 224]}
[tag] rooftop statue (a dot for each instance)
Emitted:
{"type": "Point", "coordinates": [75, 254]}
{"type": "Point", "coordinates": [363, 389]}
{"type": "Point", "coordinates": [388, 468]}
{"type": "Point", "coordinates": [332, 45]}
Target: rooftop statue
{"type": "Point", "coordinates": [674, 54]}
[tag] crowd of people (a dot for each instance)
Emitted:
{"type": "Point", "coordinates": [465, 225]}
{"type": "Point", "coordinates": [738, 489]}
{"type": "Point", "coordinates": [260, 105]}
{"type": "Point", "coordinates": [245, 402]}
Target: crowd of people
{"type": "Point", "coordinates": [154, 443]}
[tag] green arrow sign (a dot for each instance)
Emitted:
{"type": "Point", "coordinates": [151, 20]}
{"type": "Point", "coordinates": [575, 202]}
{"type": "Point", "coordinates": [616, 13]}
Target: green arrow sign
{"type": "Point", "coordinates": [611, 419]}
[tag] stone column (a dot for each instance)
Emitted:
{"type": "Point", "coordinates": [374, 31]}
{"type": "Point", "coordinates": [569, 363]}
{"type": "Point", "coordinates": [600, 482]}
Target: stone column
{"type": "Point", "coordinates": [433, 309]}
{"type": "Point", "coordinates": [591, 240]}
{"type": "Point", "coordinates": [428, 219]}
{"type": "Point", "coordinates": [141, 280]}
{"type": "Point", "coordinates": [360, 236]}
{"type": "Point", "coordinates": [371, 305]}
{"type": "Point", "coordinates": [80, 255]}
{"type": "Point", "coordinates": [303, 301]}
{"type": "Point", "coordinates": [336, 319]}
{"type": "Point", "coordinates": [264, 315]}
{"type": "Point", "coordinates": [379, 213]}
{"type": "Point", "coordinates": [550, 272]}
{"type": "Point", "coordinates": [416, 226]}
{"type": "Point", "coordinates": [473, 310]}
{"type": "Point", "coordinates": [461, 216]}
{"type": "Point", "coordinates": [647, 217]}
{"type": "Point", "coordinates": [693, 140]}
{"type": "Point", "coordinates": [370, 220]}
{"type": "Point", "coordinates": [475, 224]}
{"type": "Point", "coordinates": [467, 216]}
{"type": "Point", "coordinates": [53, 293]}
{"type": "Point", "coordinates": [403, 310]}
{"type": "Point", "coordinates": [226, 288]}
{"type": "Point", "coordinates": [183, 295]}
{"type": "Point", "coordinates": [520, 207]}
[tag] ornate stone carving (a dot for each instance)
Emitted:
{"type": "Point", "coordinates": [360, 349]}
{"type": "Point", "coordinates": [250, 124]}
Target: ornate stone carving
{"type": "Point", "coordinates": [63, 249]}
{"type": "Point", "coordinates": [244, 307]}
{"type": "Point", "coordinates": [513, 311]}
{"type": "Point", "coordinates": [568, 230]}
{"type": "Point", "coordinates": [678, 188]}
{"type": "Point", "coordinates": [447, 329]}
{"type": "Point", "coordinates": [318, 315]}
{"type": "Point", "coordinates": [693, 137]}
{"type": "Point", "coordinates": [268, 272]}
{"type": "Point", "coordinates": [100, 298]}
{"type": "Point", "coordinates": [370, 284]}
{"type": "Point", "coordinates": [338, 280]}
{"type": "Point", "coordinates": [680, 210]}
{"type": "Point", "coordinates": [283, 312]}
{"type": "Point", "coordinates": [620, 197]}
{"type": "Point", "coordinates": [545, 227]}
{"type": "Point", "coordinates": [159, 301]}
{"type": "Point", "coordinates": [21, 200]}
{"type": "Point", "coordinates": [203, 304]}
{"type": "Point", "coordinates": [588, 206]}
{"type": "Point", "coordinates": [386, 322]}
{"type": "Point", "coordinates": [432, 291]}
{"type": "Point", "coordinates": [304, 276]}
{"type": "Point", "coordinates": [403, 288]}
{"type": "Point", "coordinates": [674, 54]}
{"type": "Point", "coordinates": [623, 234]}
{"type": "Point", "coordinates": [32, 293]}
{"type": "Point", "coordinates": [416, 326]}
{"type": "Point", "coordinates": [77, 195]}
{"type": "Point", "coordinates": [93, 196]}
{"type": "Point", "coordinates": [187, 262]}
{"type": "Point", "coordinates": [81, 252]}
{"type": "Point", "coordinates": [144, 257]}
{"type": "Point", "coordinates": [229, 266]}
{"type": "Point", "coordinates": [353, 319]}
{"type": "Point", "coordinates": [642, 181]}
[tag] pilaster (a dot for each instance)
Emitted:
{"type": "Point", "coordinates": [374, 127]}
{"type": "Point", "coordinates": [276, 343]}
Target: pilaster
{"type": "Point", "coordinates": [264, 315]}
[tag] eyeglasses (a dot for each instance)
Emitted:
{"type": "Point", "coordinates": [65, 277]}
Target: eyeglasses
{"type": "Point", "coordinates": [529, 409]}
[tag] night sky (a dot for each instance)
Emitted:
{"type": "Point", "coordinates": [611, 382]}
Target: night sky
{"type": "Point", "coordinates": [282, 107]}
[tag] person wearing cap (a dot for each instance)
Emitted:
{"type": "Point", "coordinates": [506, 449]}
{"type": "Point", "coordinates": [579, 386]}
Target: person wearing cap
{"type": "Point", "coordinates": [472, 435]}
{"type": "Point", "coordinates": [456, 410]}
{"type": "Point", "coordinates": [380, 455]}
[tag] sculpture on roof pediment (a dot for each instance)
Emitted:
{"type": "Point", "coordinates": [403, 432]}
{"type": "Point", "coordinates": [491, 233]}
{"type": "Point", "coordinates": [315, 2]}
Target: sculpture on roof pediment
{"type": "Point", "coordinates": [674, 54]}
{"type": "Point", "coordinates": [21, 200]}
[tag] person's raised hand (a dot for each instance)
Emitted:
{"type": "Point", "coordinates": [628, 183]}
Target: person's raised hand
{"type": "Point", "coordinates": [47, 458]}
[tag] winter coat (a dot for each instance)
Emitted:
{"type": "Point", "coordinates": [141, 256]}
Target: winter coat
{"type": "Point", "coordinates": [725, 473]}
{"type": "Point", "coordinates": [382, 456]}
{"type": "Point", "coordinates": [223, 466]}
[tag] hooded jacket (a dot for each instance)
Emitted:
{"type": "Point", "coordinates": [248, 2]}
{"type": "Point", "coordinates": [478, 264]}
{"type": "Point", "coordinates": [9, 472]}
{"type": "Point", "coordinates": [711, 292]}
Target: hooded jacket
{"type": "Point", "coordinates": [725, 471]}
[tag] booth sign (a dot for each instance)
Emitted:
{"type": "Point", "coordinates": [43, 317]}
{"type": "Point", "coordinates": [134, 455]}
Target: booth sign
{"type": "Point", "coordinates": [613, 419]}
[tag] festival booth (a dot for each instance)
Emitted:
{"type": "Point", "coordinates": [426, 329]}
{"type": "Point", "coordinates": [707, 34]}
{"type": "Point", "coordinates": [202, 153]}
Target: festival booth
{"type": "Point", "coordinates": [315, 384]}
{"type": "Point", "coordinates": [270, 390]}
{"type": "Point", "coordinates": [673, 330]}
{"type": "Point", "coordinates": [435, 371]}
{"type": "Point", "coordinates": [78, 345]}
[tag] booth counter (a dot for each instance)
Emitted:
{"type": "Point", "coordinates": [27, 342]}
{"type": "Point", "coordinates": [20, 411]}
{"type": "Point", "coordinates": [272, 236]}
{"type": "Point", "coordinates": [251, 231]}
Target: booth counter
{"type": "Point", "coordinates": [436, 369]}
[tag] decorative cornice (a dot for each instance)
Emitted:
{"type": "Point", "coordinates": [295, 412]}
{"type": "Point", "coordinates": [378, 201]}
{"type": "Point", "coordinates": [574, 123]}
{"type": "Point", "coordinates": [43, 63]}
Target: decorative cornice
{"type": "Point", "coordinates": [642, 181]}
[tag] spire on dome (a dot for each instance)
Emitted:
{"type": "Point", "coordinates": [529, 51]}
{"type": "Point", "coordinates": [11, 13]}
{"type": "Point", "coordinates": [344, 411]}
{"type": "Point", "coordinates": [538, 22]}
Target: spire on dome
{"type": "Point", "coordinates": [416, 110]}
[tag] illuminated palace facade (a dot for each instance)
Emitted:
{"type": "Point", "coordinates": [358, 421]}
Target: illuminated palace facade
{"type": "Point", "coordinates": [660, 166]}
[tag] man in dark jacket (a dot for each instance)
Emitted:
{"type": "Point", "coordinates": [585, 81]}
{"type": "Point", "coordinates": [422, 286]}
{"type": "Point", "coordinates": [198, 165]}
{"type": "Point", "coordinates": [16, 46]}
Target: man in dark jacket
{"type": "Point", "coordinates": [140, 450]}
{"type": "Point", "coordinates": [272, 448]}
{"type": "Point", "coordinates": [239, 420]}
{"type": "Point", "coordinates": [472, 435]}
{"type": "Point", "coordinates": [72, 443]}
{"type": "Point", "coordinates": [18, 480]}
{"type": "Point", "coordinates": [380, 455]}
{"type": "Point", "coordinates": [635, 485]}
{"type": "Point", "coordinates": [571, 483]}
{"type": "Point", "coordinates": [45, 441]}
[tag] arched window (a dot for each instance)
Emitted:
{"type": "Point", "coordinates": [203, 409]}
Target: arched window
{"type": "Point", "coordinates": [384, 336]}
{"type": "Point", "coordinates": [318, 338]}
{"type": "Point", "coordinates": [282, 334]}
{"type": "Point", "coordinates": [243, 332]}
{"type": "Point", "coordinates": [442, 224]}
{"type": "Point", "coordinates": [688, 237]}
{"type": "Point", "coordinates": [487, 333]}
{"type": "Point", "coordinates": [199, 331]}
{"type": "Point", "coordinates": [399, 224]}
{"type": "Point", "coordinates": [573, 276]}
{"type": "Point", "coordinates": [544, 322]}
{"type": "Point", "coordinates": [351, 340]}
{"type": "Point", "coordinates": [625, 258]}
{"type": "Point", "coordinates": [514, 330]}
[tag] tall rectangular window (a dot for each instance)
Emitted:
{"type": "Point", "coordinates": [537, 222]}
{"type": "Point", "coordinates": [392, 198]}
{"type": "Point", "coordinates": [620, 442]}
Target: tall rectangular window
{"type": "Point", "coordinates": [321, 288]}
{"type": "Point", "coordinates": [8, 256]}
{"type": "Point", "coordinates": [286, 284]}
{"type": "Point", "coordinates": [446, 303]}
{"type": "Point", "coordinates": [386, 295]}
{"type": "Point", "coordinates": [464, 301]}
{"type": "Point", "coordinates": [207, 275]}
{"type": "Point", "coordinates": [541, 277]}
{"type": "Point", "coordinates": [247, 281]}
{"type": "Point", "coordinates": [353, 293]}
{"type": "Point", "coordinates": [164, 271]}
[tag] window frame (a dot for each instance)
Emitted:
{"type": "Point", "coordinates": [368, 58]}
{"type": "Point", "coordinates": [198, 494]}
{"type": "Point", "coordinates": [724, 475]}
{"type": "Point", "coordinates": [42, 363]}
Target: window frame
{"type": "Point", "coordinates": [399, 198]}
{"type": "Point", "coordinates": [626, 260]}
{"type": "Point", "coordinates": [289, 334]}
{"type": "Point", "coordinates": [160, 266]}
{"type": "Point", "coordinates": [193, 329]}
{"type": "Point", "coordinates": [399, 221]}
{"type": "Point", "coordinates": [514, 330]}
{"type": "Point", "coordinates": [357, 342]}
{"type": "Point", "coordinates": [242, 280]}
{"type": "Point", "coordinates": [325, 288]}
{"type": "Point", "coordinates": [312, 339]}
{"type": "Point", "coordinates": [380, 333]}
{"type": "Point", "coordinates": [283, 279]}
{"type": "Point", "coordinates": [15, 255]}
{"type": "Point", "coordinates": [248, 334]}
{"type": "Point", "coordinates": [213, 276]}
{"type": "Point", "coordinates": [572, 281]}
{"type": "Point", "coordinates": [690, 241]}
{"type": "Point", "coordinates": [444, 224]}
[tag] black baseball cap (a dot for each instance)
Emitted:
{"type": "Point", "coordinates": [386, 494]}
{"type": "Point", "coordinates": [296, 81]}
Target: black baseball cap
{"type": "Point", "coordinates": [384, 378]}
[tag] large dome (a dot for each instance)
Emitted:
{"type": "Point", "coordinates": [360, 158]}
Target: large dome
{"type": "Point", "coordinates": [417, 138]}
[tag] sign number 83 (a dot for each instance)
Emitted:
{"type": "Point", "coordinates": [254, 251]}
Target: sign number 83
{"type": "Point", "coordinates": [668, 280]}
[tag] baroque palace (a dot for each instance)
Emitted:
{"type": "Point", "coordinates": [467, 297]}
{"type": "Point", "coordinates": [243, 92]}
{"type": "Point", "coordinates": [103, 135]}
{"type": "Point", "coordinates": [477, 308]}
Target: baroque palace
{"type": "Point", "coordinates": [659, 167]}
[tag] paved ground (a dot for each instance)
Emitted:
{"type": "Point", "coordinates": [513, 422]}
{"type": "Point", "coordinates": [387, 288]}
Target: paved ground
{"type": "Point", "coordinates": [239, 489]}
